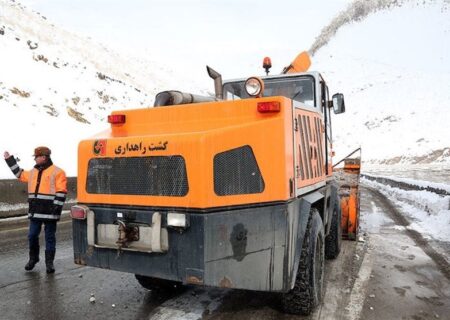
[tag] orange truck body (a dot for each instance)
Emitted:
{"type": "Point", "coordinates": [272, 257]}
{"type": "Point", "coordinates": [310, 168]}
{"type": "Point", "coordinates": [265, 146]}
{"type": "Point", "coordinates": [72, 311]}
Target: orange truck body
{"type": "Point", "coordinates": [207, 129]}
{"type": "Point", "coordinates": [212, 128]}
{"type": "Point", "coordinates": [202, 192]}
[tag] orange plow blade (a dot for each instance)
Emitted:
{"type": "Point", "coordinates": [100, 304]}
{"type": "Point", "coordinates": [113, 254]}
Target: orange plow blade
{"type": "Point", "coordinates": [348, 181]}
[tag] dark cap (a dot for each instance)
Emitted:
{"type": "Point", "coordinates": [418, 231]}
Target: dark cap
{"type": "Point", "coordinates": [42, 151]}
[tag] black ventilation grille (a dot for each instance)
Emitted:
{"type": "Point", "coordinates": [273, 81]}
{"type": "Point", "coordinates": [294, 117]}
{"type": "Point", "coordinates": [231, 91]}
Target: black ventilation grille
{"type": "Point", "coordinates": [154, 176]}
{"type": "Point", "coordinates": [236, 172]}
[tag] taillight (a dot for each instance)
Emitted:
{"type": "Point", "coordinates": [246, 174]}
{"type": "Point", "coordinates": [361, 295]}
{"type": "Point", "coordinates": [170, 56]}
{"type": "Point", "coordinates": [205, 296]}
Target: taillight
{"type": "Point", "coordinates": [79, 212]}
{"type": "Point", "coordinates": [116, 118]}
{"type": "Point", "coordinates": [269, 106]}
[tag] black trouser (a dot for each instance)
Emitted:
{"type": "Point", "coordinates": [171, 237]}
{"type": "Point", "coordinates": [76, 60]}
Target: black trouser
{"type": "Point", "coordinates": [50, 234]}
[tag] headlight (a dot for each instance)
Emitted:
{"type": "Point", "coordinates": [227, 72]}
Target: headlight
{"type": "Point", "coordinates": [179, 220]}
{"type": "Point", "coordinates": [254, 87]}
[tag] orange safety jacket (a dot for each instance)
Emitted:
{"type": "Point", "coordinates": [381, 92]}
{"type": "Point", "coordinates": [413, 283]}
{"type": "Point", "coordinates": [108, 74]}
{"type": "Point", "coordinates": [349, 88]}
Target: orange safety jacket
{"type": "Point", "coordinates": [47, 189]}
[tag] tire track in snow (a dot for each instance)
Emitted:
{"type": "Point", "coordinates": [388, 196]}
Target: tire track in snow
{"type": "Point", "coordinates": [442, 264]}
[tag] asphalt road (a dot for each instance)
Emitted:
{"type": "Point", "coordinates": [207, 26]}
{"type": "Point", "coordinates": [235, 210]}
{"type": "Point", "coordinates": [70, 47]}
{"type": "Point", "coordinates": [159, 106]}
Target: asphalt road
{"type": "Point", "coordinates": [389, 275]}
{"type": "Point", "coordinates": [408, 278]}
{"type": "Point", "coordinates": [66, 294]}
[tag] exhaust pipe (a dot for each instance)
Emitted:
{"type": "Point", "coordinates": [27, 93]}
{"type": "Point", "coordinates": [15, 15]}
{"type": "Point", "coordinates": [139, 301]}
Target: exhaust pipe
{"type": "Point", "coordinates": [170, 98]}
{"type": "Point", "coordinates": [217, 77]}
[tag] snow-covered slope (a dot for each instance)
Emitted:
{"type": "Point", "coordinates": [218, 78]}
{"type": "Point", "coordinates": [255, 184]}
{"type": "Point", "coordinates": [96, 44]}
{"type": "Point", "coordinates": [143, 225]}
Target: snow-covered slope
{"type": "Point", "coordinates": [57, 88]}
{"type": "Point", "coordinates": [391, 59]}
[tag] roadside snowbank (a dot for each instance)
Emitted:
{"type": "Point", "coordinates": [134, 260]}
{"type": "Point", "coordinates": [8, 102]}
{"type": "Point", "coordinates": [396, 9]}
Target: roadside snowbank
{"type": "Point", "coordinates": [428, 212]}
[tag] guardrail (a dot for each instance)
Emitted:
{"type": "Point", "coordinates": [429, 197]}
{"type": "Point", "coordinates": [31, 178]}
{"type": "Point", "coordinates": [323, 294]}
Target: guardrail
{"type": "Point", "coordinates": [404, 185]}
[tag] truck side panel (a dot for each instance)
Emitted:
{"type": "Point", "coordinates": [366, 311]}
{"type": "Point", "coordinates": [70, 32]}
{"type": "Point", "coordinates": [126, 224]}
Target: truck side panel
{"type": "Point", "coordinates": [247, 248]}
{"type": "Point", "coordinates": [309, 147]}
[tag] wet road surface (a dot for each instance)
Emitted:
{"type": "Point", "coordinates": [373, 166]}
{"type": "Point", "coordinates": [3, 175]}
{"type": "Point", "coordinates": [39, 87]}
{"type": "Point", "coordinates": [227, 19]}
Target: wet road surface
{"type": "Point", "coordinates": [386, 276]}
{"type": "Point", "coordinates": [66, 294]}
{"type": "Point", "coordinates": [409, 279]}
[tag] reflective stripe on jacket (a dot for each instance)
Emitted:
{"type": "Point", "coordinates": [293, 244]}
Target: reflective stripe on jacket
{"type": "Point", "coordinates": [47, 189]}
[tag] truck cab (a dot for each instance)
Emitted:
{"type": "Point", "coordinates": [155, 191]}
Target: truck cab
{"type": "Point", "coordinates": [307, 90]}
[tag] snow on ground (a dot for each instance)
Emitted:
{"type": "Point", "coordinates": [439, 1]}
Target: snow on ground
{"type": "Point", "coordinates": [428, 212]}
{"type": "Point", "coordinates": [5, 207]}
{"type": "Point", "coordinates": [394, 69]}
{"type": "Point", "coordinates": [374, 221]}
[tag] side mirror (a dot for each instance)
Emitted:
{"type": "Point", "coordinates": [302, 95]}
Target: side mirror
{"type": "Point", "coordinates": [338, 103]}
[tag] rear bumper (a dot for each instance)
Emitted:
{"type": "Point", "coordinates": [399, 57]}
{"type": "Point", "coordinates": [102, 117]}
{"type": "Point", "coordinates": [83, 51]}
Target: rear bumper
{"type": "Point", "coordinates": [253, 248]}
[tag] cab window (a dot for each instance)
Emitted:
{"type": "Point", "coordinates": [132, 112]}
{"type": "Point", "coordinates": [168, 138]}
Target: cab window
{"type": "Point", "coordinates": [300, 89]}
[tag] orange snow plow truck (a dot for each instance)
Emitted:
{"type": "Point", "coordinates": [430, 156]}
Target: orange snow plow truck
{"type": "Point", "coordinates": [234, 190]}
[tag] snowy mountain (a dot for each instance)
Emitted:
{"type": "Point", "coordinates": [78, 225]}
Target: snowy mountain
{"type": "Point", "coordinates": [57, 88]}
{"type": "Point", "coordinates": [389, 57]}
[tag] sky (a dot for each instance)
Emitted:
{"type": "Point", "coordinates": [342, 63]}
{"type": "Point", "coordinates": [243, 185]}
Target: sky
{"type": "Point", "coordinates": [232, 36]}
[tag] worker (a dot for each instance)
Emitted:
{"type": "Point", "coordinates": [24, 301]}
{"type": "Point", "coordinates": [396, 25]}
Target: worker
{"type": "Point", "coordinates": [47, 189]}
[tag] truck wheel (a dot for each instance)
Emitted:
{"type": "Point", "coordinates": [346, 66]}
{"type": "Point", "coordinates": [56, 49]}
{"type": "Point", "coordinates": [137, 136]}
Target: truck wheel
{"type": "Point", "coordinates": [334, 238]}
{"type": "Point", "coordinates": [307, 292]}
{"type": "Point", "coordinates": [155, 284]}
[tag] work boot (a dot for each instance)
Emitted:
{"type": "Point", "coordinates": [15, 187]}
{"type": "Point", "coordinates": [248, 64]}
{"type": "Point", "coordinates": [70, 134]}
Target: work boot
{"type": "Point", "coordinates": [49, 257]}
{"type": "Point", "coordinates": [34, 258]}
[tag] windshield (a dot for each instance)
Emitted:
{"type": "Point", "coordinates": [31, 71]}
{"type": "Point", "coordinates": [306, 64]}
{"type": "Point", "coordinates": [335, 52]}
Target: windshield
{"type": "Point", "coordinates": [300, 89]}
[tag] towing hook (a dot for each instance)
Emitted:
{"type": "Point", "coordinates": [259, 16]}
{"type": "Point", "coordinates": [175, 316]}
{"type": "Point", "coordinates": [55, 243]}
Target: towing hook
{"type": "Point", "coordinates": [122, 234]}
{"type": "Point", "coordinates": [126, 234]}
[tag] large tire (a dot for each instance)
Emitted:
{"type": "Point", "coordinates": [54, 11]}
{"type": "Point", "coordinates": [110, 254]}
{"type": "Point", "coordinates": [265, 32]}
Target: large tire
{"type": "Point", "coordinates": [155, 284]}
{"type": "Point", "coordinates": [334, 238]}
{"type": "Point", "coordinates": [308, 289]}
